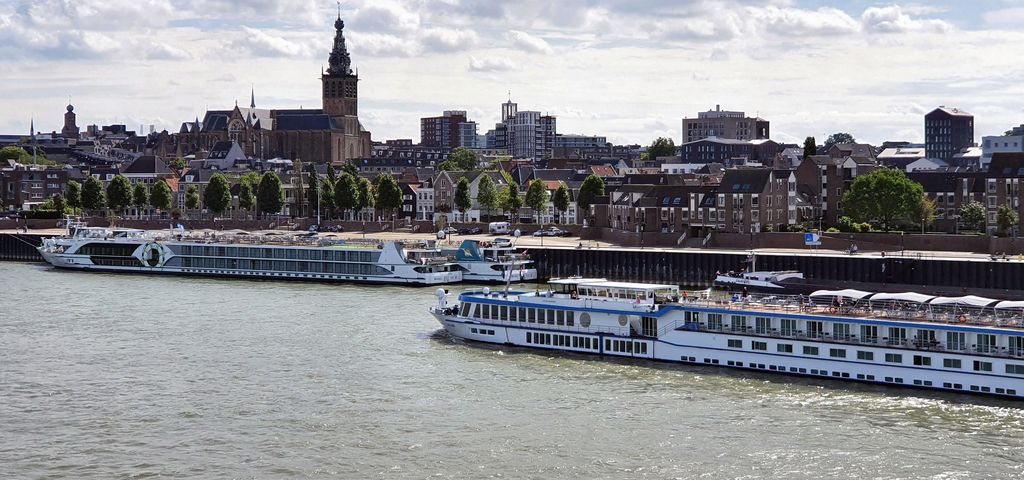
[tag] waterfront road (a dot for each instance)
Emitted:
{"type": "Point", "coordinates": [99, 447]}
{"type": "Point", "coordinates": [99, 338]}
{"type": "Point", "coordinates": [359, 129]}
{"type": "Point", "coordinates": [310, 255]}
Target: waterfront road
{"type": "Point", "coordinates": [575, 242]}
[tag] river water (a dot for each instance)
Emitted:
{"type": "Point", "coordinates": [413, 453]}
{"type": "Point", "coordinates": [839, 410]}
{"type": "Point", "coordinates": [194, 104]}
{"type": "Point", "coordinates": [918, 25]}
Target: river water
{"type": "Point", "coordinates": [121, 376]}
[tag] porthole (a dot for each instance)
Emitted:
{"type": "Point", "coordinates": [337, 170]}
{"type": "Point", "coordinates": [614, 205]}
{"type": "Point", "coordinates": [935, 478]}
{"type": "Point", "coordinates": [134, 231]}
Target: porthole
{"type": "Point", "coordinates": [585, 320]}
{"type": "Point", "coordinates": [623, 320]}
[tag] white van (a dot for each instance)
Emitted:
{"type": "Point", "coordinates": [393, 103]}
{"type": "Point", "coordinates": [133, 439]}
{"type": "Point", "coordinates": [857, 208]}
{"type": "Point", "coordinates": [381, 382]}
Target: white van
{"type": "Point", "coordinates": [498, 227]}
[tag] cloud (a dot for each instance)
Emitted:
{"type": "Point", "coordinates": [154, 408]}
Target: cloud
{"type": "Point", "coordinates": [380, 45]}
{"type": "Point", "coordinates": [1013, 17]}
{"type": "Point", "coordinates": [800, 22]}
{"type": "Point", "coordinates": [892, 19]}
{"type": "Point", "coordinates": [448, 40]}
{"type": "Point", "coordinates": [96, 14]}
{"type": "Point", "coordinates": [279, 11]}
{"type": "Point", "coordinates": [163, 51]}
{"type": "Point", "coordinates": [529, 43]}
{"type": "Point", "coordinates": [490, 64]}
{"type": "Point", "coordinates": [385, 17]}
{"type": "Point", "coordinates": [259, 43]}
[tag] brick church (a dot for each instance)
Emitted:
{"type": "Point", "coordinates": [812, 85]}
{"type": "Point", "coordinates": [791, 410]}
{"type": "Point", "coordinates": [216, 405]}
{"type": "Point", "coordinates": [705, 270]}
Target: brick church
{"type": "Point", "coordinates": [329, 134]}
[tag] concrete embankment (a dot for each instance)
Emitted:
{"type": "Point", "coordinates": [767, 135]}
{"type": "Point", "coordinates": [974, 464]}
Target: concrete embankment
{"type": "Point", "coordinates": [20, 247]}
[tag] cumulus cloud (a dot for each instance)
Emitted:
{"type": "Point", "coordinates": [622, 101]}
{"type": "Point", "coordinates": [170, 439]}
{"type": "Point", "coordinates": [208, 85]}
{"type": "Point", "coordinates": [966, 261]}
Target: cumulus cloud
{"type": "Point", "coordinates": [280, 11]}
{"type": "Point", "coordinates": [163, 51]}
{"type": "Point", "coordinates": [892, 19]}
{"type": "Point", "coordinates": [385, 17]}
{"type": "Point", "coordinates": [448, 40]}
{"type": "Point", "coordinates": [1005, 17]}
{"type": "Point", "coordinates": [381, 45]}
{"type": "Point", "coordinates": [529, 43]}
{"type": "Point", "coordinates": [259, 43]}
{"type": "Point", "coordinates": [801, 22]}
{"type": "Point", "coordinates": [490, 64]}
{"type": "Point", "coordinates": [96, 14]}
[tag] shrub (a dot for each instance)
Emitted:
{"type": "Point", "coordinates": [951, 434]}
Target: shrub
{"type": "Point", "coordinates": [846, 224]}
{"type": "Point", "coordinates": [832, 230]}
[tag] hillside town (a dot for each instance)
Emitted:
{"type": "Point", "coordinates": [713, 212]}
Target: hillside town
{"type": "Point", "coordinates": [726, 174]}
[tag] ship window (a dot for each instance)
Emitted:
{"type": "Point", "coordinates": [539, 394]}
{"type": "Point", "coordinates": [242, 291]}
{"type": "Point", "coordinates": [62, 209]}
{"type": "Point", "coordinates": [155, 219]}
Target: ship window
{"type": "Point", "coordinates": [837, 353]}
{"type": "Point", "coordinates": [763, 325]}
{"type": "Point", "coordinates": [982, 366]}
{"type": "Point", "coordinates": [810, 350]}
{"type": "Point", "coordinates": [585, 320]}
{"type": "Point", "coordinates": [897, 335]}
{"type": "Point", "coordinates": [529, 337]}
{"type": "Point", "coordinates": [922, 360]}
{"type": "Point", "coordinates": [788, 327]}
{"type": "Point", "coordinates": [951, 363]}
{"type": "Point", "coordinates": [956, 340]}
{"type": "Point", "coordinates": [815, 329]}
{"type": "Point", "coordinates": [715, 321]}
{"type": "Point", "coordinates": [894, 358]}
{"type": "Point", "coordinates": [551, 317]}
{"type": "Point", "coordinates": [840, 330]}
{"type": "Point", "coordinates": [862, 355]}
{"type": "Point", "coordinates": [532, 315]}
{"type": "Point", "coordinates": [570, 318]}
{"type": "Point", "coordinates": [784, 348]}
{"type": "Point", "coordinates": [869, 333]}
{"type": "Point", "coordinates": [522, 314]}
{"type": "Point", "coordinates": [561, 317]}
{"type": "Point", "coordinates": [504, 312]}
{"type": "Point", "coordinates": [739, 323]}
{"type": "Point", "coordinates": [759, 345]}
{"type": "Point", "coordinates": [986, 343]}
{"type": "Point", "coordinates": [1015, 369]}
{"type": "Point", "coordinates": [735, 343]}
{"type": "Point", "coordinates": [487, 311]}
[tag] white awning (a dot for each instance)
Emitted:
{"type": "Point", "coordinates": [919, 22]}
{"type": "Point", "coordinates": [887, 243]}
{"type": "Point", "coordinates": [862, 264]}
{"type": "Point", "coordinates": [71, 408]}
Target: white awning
{"type": "Point", "coordinates": [971, 300]}
{"type": "Point", "coordinates": [847, 293]}
{"type": "Point", "coordinates": [1007, 304]}
{"type": "Point", "coordinates": [902, 297]}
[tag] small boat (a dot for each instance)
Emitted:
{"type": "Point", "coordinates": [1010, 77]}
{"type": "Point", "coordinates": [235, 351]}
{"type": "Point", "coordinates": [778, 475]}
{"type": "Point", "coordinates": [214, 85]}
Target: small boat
{"type": "Point", "coordinates": [492, 262]}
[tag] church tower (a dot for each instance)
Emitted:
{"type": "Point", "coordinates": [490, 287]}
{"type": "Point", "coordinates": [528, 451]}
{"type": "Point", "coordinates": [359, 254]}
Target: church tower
{"type": "Point", "coordinates": [340, 94]}
{"type": "Point", "coordinates": [70, 130]}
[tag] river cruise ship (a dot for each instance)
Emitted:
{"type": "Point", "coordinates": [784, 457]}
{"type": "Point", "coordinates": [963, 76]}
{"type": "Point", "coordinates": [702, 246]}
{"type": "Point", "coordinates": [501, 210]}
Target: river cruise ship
{"type": "Point", "coordinates": [293, 257]}
{"type": "Point", "coordinates": [496, 261]}
{"type": "Point", "coordinates": [963, 344]}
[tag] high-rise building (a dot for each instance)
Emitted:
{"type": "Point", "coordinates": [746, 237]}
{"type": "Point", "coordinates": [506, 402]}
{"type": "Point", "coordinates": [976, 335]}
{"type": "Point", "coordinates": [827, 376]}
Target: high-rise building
{"type": "Point", "coordinates": [947, 131]}
{"type": "Point", "coordinates": [724, 124]}
{"type": "Point", "coordinates": [467, 135]}
{"type": "Point", "coordinates": [1011, 142]}
{"type": "Point", "coordinates": [443, 131]}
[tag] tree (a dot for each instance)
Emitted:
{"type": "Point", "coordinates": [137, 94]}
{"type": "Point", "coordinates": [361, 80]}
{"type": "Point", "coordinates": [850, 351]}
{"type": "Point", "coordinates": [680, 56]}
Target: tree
{"type": "Point", "coordinates": [17, 154]}
{"type": "Point", "coordinates": [365, 196]}
{"type": "Point", "coordinates": [313, 191]}
{"type": "Point", "coordinates": [387, 193]}
{"type": "Point", "coordinates": [93, 197]}
{"type": "Point", "coordinates": [119, 193]}
{"type": "Point", "coordinates": [140, 197]}
{"type": "Point", "coordinates": [972, 215]}
{"type": "Point", "coordinates": [810, 147]}
{"type": "Point", "coordinates": [269, 194]}
{"type": "Point", "coordinates": [300, 193]}
{"type": "Point", "coordinates": [560, 200]}
{"type": "Point", "coordinates": [592, 188]}
{"type": "Point", "coordinates": [461, 159]}
{"type": "Point", "coordinates": [177, 163]}
{"type": "Point", "coordinates": [350, 168]}
{"type": "Point", "coordinates": [73, 195]}
{"type": "Point", "coordinates": [462, 200]}
{"type": "Point", "coordinates": [486, 194]}
{"type": "Point", "coordinates": [217, 196]}
{"type": "Point", "coordinates": [246, 196]}
{"type": "Point", "coordinates": [346, 193]}
{"type": "Point", "coordinates": [192, 198]}
{"type": "Point", "coordinates": [161, 197]}
{"type": "Point", "coordinates": [327, 188]}
{"type": "Point", "coordinates": [885, 195]}
{"type": "Point", "coordinates": [510, 200]}
{"type": "Point", "coordinates": [1006, 219]}
{"type": "Point", "coordinates": [536, 197]}
{"type": "Point", "coordinates": [925, 212]}
{"type": "Point", "coordinates": [58, 204]}
{"type": "Point", "coordinates": [661, 147]}
{"type": "Point", "coordinates": [837, 138]}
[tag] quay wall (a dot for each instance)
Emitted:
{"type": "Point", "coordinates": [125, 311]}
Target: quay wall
{"type": "Point", "coordinates": [20, 247]}
{"type": "Point", "coordinates": [695, 268]}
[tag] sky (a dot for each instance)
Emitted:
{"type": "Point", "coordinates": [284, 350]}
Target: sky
{"type": "Point", "coordinates": [629, 70]}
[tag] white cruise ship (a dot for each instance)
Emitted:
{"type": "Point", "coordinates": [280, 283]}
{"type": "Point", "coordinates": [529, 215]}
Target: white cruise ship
{"type": "Point", "coordinates": [492, 262]}
{"type": "Point", "coordinates": [305, 257]}
{"type": "Point", "coordinates": [963, 344]}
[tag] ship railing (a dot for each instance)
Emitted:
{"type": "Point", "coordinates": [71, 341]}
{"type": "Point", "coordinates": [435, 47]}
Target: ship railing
{"type": "Point", "coordinates": [925, 344]}
{"type": "Point", "coordinates": [908, 311]}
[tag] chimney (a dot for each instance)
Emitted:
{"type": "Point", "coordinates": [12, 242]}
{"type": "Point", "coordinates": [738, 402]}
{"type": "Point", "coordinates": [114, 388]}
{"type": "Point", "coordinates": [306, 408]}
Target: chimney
{"type": "Point", "coordinates": [718, 108]}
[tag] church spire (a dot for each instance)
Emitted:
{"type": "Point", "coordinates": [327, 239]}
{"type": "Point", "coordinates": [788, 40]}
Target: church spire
{"type": "Point", "coordinates": [32, 128]}
{"type": "Point", "coordinates": [252, 98]}
{"type": "Point", "coordinates": [339, 63]}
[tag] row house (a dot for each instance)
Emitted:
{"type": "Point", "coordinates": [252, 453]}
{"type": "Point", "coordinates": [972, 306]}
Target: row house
{"type": "Point", "coordinates": [950, 190]}
{"type": "Point", "coordinates": [751, 200]}
{"type": "Point", "coordinates": [823, 180]}
{"type": "Point", "coordinates": [729, 152]}
{"type": "Point", "coordinates": [25, 187]}
{"type": "Point", "coordinates": [1002, 186]}
{"type": "Point", "coordinates": [444, 194]}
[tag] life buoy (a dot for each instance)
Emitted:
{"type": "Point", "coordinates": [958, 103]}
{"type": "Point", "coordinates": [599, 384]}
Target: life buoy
{"type": "Point", "coordinates": [154, 255]}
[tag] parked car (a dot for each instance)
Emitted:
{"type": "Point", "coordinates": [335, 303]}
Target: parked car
{"type": "Point", "coordinates": [551, 232]}
{"type": "Point", "coordinates": [470, 231]}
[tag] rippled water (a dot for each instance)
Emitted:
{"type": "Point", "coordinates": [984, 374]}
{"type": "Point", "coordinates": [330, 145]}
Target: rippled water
{"type": "Point", "coordinates": [118, 376]}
